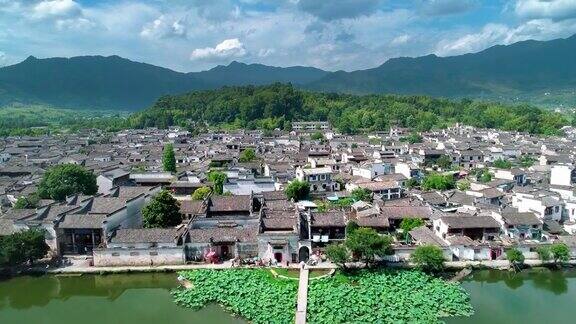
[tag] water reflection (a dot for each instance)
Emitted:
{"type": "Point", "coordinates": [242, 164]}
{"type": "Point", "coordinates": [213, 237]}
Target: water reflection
{"type": "Point", "coordinates": [554, 281]}
{"type": "Point", "coordinates": [26, 292]}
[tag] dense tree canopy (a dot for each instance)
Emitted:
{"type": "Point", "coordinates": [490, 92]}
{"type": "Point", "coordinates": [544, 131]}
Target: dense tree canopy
{"type": "Point", "coordinates": [25, 202]}
{"type": "Point", "coordinates": [365, 244]}
{"type": "Point", "coordinates": [23, 246]}
{"type": "Point", "coordinates": [169, 159]}
{"type": "Point", "coordinates": [502, 164]}
{"type": "Point", "coordinates": [428, 258]}
{"type": "Point", "coordinates": [408, 224]}
{"type": "Point", "coordinates": [338, 254]}
{"type": "Point", "coordinates": [218, 179]}
{"type": "Point", "coordinates": [162, 211]}
{"type": "Point", "coordinates": [248, 155]}
{"type": "Point", "coordinates": [362, 194]}
{"type": "Point", "coordinates": [277, 105]}
{"type": "Point", "coordinates": [67, 179]}
{"type": "Point", "coordinates": [515, 257]}
{"type": "Point", "coordinates": [201, 193]}
{"type": "Point", "coordinates": [437, 181]}
{"type": "Point", "coordinates": [297, 190]}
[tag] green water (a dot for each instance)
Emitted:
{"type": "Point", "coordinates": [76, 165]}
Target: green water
{"type": "Point", "coordinates": [532, 296]}
{"type": "Point", "coordinates": [535, 296]}
{"type": "Point", "coordinates": [122, 299]}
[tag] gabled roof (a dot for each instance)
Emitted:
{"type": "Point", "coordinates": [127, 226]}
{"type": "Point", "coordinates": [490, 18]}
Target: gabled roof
{"type": "Point", "coordinates": [520, 219]}
{"type": "Point", "coordinates": [464, 222]}
{"type": "Point", "coordinates": [328, 219]}
{"type": "Point", "coordinates": [423, 235]}
{"type": "Point", "coordinates": [146, 235]}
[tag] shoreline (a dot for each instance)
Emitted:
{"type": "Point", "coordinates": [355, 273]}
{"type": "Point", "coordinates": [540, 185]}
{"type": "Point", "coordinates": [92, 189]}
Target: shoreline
{"type": "Point", "coordinates": [450, 266]}
{"type": "Point", "coordinates": [502, 265]}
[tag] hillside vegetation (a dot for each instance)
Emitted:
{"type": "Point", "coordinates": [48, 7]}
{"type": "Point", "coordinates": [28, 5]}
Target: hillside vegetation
{"type": "Point", "coordinates": [538, 72]}
{"type": "Point", "coordinates": [40, 120]}
{"type": "Point", "coordinates": [275, 106]}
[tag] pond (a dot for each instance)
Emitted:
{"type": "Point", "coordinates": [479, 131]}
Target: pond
{"type": "Point", "coordinates": [533, 296]}
{"type": "Point", "coordinates": [126, 298]}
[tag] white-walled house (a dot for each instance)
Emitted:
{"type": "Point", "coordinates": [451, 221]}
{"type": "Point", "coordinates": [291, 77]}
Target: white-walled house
{"type": "Point", "coordinates": [562, 175]}
{"type": "Point", "coordinates": [320, 179]}
{"type": "Point", "coordinates": [521, 226]}
{"type": "Point", "coordinates": [516, 175]}
{"type": "Point", "coordinates": [546, 207]}
{"type": "Point", "coordinates": [481, 228]}
{"type": "Point", "coordinates": [142, 247]}
{"type": "Point", "coordinates": [370, 170]}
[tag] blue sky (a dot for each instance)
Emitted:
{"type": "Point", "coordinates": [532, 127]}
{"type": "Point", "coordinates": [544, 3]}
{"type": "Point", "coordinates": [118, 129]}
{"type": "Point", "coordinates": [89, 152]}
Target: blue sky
{"type": "Point", "coordinates": [194, 35]}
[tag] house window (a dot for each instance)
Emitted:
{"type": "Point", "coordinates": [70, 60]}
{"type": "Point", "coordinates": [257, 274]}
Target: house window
{"type": "Point", "coordinates": [115, 254]}
{"type": "Point", "coordinates": [556, 209]}
{"type": "Point", "coordinates": [134, 254]}
{"type": "Point", "coordinates": [153, 253]}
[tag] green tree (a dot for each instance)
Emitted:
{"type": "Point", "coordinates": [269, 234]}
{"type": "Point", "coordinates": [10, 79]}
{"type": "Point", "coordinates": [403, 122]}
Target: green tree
{"type": "Point", "coordinates": [560, 252]}
{"type": "Point", "coordinates": [408, 224]}
{"type": "Point", "coordinates": [444, 161]}
{"type": "Point", "coordinates": [67, 179]}
{"type": "Point", "coordinates": [24, 246]}
{"type": "Point", "coordinates": [365, 244]}
{"type": "Point", "coordinates": [338, 253]}
{"type": "Point", "coordinates": [248, 155]}
{"type": "Point", "coordinates": [437, 181]}
{"type": "Point", "coordinates": [515, 257]}
{"type": "Point", "coordinates": [527, 161]}
{"type": "Point", "coordinates": [218, 179]}
{"type": "Point", "coordinates": [544, 253]}
{"type": "Point", "coordinates": [412, 183]}
{"type": "Point", "coordinates": [362, 194]}
{"type": "Point", "coordinates": [298, 190]}
{"type": "Point", "coordinates": [485, 176]}
{"type": "Point", "coordinates": [27, 202]}
{"type": "Point", "coordinates": [201, 193]}
{"type": "Point", "coordinates": [162, 211]}
{"type": "Point", "coordinates": [317, 136]}
{"type": "Point", "coordinates": [169, 159]}
{"type": "Point", "coordinates": [428, 258]}
{"type": "Point", "coordinates": [413, 138]}
{"type": "Point", "coordinates": [502, 164]}
{"type": "Point", "coordinates": [351, 227]}
{"type": "Point", "coordinates": [463, 185]}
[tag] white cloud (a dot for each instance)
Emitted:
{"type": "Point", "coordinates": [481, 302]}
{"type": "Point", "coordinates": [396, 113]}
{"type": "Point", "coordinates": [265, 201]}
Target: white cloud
{"type": "Point", "coordinates": [553, 9]}
{"type": "Point", "coordinates": [3, 59]}
{"type": "Point", "coordinates": [56, 9]}
{"type": "Point", "coordinates": [265, 52]}
{"type": "Point", "coordinates": [489, 35]}
{"type": "Point", "coordinates": [164, 27]}
{"type": "Point", "coordinates": [401, 40]}
{"type": "Point", "coordinates": [493, 34]}
{"type": "Point", "coordinates": [229, 48]}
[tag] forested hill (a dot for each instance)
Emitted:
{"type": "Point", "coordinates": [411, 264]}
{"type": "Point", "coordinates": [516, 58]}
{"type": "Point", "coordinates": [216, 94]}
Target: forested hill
{"type": "Point", "coordinates": [529, 71]}
{"type": "Point", "coordinates": [115, 83]}
{"type": "Point", "coordinates": [277, 105]}
{"type": "Point", "coordinates": [536, 72]}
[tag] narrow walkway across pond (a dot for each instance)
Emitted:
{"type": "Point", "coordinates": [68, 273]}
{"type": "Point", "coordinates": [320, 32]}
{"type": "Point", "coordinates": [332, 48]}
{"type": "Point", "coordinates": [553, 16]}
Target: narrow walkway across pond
{"type": "Point", "coordinates": [302, 297]}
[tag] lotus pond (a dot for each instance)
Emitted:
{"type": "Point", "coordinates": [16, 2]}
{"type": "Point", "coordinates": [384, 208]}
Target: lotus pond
{"type": "Point", "coordinates": [532, 296]}
{"type": "Point", "coordinates": [366, 296]}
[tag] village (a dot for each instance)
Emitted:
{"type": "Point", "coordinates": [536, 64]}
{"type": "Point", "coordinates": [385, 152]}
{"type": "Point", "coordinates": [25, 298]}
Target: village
{"type": "Point", "coordinates": [474, 193]}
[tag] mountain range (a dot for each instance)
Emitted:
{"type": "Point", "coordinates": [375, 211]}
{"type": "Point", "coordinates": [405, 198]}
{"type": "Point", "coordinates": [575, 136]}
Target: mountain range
{"type": "Point", "coordinates": [541, 72]}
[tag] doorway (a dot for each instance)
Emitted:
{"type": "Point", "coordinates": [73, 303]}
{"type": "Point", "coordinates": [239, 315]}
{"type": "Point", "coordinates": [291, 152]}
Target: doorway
{"type": "Point", "coordinates": [303, 254]}
{"type": "Point", "coordinates": [278, 257]}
